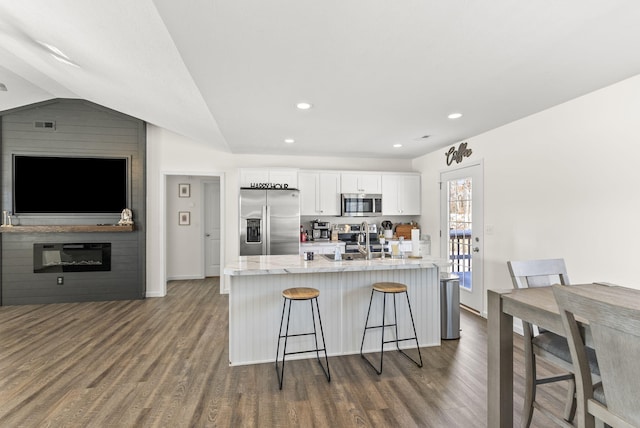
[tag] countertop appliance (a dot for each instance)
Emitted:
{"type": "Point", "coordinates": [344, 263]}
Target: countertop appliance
{"type": "Point", "coordinates": [320, 230]}
{"type": "Point", "coordinates": [361, 205]}
{"type": "Point", "coordinates": [269, 222]}
{"type": "Point", "coordinates": [348, 233]}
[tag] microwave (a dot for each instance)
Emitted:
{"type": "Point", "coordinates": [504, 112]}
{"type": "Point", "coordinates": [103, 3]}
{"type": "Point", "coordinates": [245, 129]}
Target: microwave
{"type": "Point", "coordinates": [361, 205]}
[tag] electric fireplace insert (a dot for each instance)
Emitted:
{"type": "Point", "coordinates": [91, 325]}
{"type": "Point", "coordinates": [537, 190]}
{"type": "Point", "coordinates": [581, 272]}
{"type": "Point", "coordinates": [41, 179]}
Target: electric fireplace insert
{"type": "Point", "coordinates": [82, 257]}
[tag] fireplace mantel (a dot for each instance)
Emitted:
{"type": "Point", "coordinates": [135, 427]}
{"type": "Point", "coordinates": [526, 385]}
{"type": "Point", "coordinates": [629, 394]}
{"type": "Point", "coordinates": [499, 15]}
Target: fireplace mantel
{"type": "Point", "coordinates": [67, 228]}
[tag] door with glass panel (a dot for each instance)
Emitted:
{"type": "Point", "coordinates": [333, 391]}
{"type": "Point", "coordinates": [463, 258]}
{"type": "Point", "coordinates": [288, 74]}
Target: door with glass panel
{"type": "Point", "coordinates": [461, 230]}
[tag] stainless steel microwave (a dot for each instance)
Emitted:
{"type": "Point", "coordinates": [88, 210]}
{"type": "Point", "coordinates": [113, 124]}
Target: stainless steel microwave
{"type": "Point", "coordinates": [361, 205]}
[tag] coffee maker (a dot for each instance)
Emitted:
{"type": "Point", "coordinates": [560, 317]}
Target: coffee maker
{"type": "Point", "coordinates": [320, 230]}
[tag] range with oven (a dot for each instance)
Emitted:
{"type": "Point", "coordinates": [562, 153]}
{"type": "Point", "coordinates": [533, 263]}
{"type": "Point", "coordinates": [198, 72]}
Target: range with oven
{"type": "Point", "coordinates": [348, 233]}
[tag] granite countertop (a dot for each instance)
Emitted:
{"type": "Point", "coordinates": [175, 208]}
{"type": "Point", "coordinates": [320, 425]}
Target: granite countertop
{"type": "Point", "coordinates": [274, 265]}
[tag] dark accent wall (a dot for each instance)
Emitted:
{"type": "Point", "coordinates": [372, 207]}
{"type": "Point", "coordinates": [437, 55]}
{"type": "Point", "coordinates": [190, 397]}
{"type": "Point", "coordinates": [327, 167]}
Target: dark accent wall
{"type": "Point", "coordinates": [82, 128]}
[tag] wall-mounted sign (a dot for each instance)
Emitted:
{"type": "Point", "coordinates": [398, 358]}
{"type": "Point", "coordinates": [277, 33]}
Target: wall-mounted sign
{"type": "Point", "coordinates": [268, 186]}
{"type": "Point", "coordinates": [458, 154]}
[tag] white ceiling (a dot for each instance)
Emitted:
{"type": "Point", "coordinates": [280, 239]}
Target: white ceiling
{"type": "Point", "coordinates": [229, 72]}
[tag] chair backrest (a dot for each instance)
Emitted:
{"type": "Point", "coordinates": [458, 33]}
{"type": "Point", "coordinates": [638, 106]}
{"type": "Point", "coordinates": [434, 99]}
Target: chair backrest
{"type": "Point", "coordinates": [614, 324]}
{"type": "Point", "coordinates": [538, 273]}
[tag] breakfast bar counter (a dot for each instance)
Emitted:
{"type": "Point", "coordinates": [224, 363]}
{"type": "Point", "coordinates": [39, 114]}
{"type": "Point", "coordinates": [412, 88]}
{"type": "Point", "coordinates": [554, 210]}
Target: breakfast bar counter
{"type": "Point", "coordinates": [255, 302]}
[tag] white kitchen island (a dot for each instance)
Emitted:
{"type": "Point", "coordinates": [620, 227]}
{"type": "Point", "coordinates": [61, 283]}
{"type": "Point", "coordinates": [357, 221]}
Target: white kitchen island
{"type": "Point", "coordinates": [255, 303]}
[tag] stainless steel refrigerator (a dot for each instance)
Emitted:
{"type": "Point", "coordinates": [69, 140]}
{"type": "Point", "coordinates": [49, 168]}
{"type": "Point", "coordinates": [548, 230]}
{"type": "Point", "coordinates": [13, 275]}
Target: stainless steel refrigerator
{"type": "Point", "coordinates": [269, 222]}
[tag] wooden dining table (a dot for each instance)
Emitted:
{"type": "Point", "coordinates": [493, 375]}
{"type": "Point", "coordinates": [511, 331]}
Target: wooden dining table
{"type": "Point", "coordinates": [537, 306]}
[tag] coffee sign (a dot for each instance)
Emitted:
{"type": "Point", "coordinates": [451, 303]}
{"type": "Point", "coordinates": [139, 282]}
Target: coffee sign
{"type": "Point", "coordinates": [458, 154]}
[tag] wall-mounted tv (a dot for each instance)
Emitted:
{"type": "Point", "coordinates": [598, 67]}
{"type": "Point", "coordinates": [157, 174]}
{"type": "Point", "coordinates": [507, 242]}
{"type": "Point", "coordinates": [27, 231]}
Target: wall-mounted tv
{"type": "Point", "coordinates": [69, 184]}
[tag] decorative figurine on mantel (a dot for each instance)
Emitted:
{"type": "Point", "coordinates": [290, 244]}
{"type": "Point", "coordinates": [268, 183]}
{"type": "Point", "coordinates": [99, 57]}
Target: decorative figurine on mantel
{"type": "Point", "coordinates": [6, 219]}
{"type": "Point", "coordinates": [126, 217]}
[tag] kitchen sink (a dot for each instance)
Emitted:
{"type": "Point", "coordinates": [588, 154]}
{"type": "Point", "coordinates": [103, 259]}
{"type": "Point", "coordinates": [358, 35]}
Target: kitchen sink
{"type": "Point", "coordinates": [345, 257]}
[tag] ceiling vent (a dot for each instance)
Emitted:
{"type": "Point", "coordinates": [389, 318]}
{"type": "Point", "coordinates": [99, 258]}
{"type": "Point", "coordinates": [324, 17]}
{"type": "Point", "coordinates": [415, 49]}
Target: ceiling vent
{"type": "Point", "coordinates": [45, 124]}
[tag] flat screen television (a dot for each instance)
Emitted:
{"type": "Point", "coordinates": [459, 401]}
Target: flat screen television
{"type": "Point", "coordinates": [69, 185]}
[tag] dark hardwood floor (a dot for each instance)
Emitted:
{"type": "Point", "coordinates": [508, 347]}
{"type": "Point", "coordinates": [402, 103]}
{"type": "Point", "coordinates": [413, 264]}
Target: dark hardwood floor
{"type": "Point", "coordinates": [164, 362]}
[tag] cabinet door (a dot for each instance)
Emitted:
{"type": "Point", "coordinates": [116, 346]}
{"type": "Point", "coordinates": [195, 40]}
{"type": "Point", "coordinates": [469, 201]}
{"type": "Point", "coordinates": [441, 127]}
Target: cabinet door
{"type": "Point", "coordinates": [308, 185]}
{"type": "Point", "coordinates": [329, 193]}
{"type": "Point", "coordinates": [252, 176]}
{"type": "Point", "coordinates": [391, 195]}
{"type": "Point", "coordinates": [361, 182]}
{"type": "Point", "coordinates": [401, 194]}
{"type": "Point", "coordinates": [411, 195]}
{"type": "Point", "coordinates": [371, 183]}
{"type": "Point", "coordinates": [349, 183]}
{"type": "Point", "coordinates": [284, 176]}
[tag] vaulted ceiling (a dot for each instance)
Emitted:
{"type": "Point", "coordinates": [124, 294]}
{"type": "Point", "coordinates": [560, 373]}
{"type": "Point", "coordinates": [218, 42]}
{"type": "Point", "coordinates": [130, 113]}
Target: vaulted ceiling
{"type": "Point", "coordinates": [229, 73]}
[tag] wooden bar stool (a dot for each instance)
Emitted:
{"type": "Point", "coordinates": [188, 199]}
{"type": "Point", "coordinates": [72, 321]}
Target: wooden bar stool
{"type": "Point", "coordinates": [301, 294]}
{"type": "Point", "coordinates": [393, 288]}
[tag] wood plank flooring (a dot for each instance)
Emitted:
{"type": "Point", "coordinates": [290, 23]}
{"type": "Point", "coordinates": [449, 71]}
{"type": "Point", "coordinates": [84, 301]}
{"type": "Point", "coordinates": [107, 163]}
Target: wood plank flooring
{"type": "Point", "coordinates": [163, 362]}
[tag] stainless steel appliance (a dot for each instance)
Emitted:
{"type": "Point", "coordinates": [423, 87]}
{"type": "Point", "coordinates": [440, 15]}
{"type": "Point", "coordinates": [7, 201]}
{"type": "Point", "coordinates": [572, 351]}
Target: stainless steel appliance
{"type": "Point", "coordinates": [348, 233]}
{"type": "Point", "coordinates": [269, 222]}
{"type": "Point", "coordinates": [361, 205]}
{"type": "Point", "coordinates": [320, 230]}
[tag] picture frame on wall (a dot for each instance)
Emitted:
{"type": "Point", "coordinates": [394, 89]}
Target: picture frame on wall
{"type": "Point", "coordinates": [184, 190]}
{"type": "Point", "coordinates": [184, 218]}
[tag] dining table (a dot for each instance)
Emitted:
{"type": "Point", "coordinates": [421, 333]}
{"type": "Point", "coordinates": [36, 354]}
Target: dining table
{"type": "Point", "coordinates": [536, 305]}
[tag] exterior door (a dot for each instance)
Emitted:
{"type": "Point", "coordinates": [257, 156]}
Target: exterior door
{"type": "Point", "coordinates": [461, 230]}
{"type": "Point", "coordinates": [212, 228]}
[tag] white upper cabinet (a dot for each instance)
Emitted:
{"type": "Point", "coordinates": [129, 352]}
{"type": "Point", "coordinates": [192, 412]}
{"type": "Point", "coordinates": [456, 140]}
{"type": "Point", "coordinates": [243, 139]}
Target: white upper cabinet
{"type": "Point", "coordinates": [319, 193]}
{"type": "Point", "coordinates": [361, 182]}
{"type": "Point", "coordinates": [269, 177]}
{"type": "Point", "coordinates": [401, 194]}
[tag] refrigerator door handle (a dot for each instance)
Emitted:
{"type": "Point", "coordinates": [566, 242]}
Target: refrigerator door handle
{"type": "Point", "coordinates": [266, 242]}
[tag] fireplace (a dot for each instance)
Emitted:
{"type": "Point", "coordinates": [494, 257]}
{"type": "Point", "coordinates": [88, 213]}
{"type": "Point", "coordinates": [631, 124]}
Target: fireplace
{"type": "Point", "coordinates": [83, 257]}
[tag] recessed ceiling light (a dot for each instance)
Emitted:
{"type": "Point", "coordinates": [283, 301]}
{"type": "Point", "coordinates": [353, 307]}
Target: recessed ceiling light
{"type": "Point", "coordinates": [304, 106]}
{"type": "Point", "coordinates": [397, 145]}
{"type": "Point", "coordinates": [455, 116]}
{"type": "Point", "coordinates": [289, 140]}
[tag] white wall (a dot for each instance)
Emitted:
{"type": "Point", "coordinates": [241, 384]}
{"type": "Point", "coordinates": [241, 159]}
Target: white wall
{"type": "Point", "coordinates": [184, 256]}
{"type": "Point", "coordinates": [560, 183]}
{"type": "Point", "coordinates": [169, 154]}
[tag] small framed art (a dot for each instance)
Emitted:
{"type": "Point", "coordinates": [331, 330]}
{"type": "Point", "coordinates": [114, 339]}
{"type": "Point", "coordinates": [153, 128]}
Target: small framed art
{"type": "Point", "coordinates": [184, 190]}
{"type": "Point", "coordinates": [184, 218]}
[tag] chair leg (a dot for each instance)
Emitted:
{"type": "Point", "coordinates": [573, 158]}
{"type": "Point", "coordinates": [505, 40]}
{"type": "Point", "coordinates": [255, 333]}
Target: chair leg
{"type": "Point", "coordinates": [366, 326]}
{"type": "Point", "coordinates": [570, 403]}
{"type": "Point", "coordinates": [530, 386]}
{"type": "Point", "coordinates": [280, 372]}
{"type": "Point", "coordinates": [327, 372]}
{"type": "Point", "coordinates": [415, 334]}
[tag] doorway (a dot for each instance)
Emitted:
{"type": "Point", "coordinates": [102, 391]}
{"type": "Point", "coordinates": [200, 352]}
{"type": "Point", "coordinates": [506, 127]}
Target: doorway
{"type": "Point", "coordinates": [185, 246]}
{"type": "Point", "coordinates": [461, 230]}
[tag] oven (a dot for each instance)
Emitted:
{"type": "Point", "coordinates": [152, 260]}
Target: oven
{"type": "Point", "coordinates": [348, 233]}
{"type": "Point", "coordinates": [361, 205]}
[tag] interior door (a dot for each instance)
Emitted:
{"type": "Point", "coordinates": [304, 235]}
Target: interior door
{"type": "Point", "coordinates": [212, 228]}
{"type": "Point", "coordinates": [461, 230]}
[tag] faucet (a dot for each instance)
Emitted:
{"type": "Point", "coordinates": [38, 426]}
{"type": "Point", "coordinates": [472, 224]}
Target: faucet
{"type": "Point", "coordinates": [367, 249]}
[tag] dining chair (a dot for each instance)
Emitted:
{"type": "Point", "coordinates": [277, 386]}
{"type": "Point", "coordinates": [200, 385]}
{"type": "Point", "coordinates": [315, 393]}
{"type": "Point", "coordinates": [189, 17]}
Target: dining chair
{"type": "Point", "coordinates": [615, 331]}
{"type": "Point", "coordinates": [543, 344]}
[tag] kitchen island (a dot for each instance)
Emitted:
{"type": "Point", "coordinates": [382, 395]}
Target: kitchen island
{"type": "Point", "coordinates": [255, 302]}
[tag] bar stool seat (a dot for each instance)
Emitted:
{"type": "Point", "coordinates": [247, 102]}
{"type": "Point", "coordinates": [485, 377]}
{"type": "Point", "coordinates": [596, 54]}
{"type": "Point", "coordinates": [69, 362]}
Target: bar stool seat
{"type": "Point", "coordinates": [393, 288]}
{"type": "Point", "coordinates": [299, 294]}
